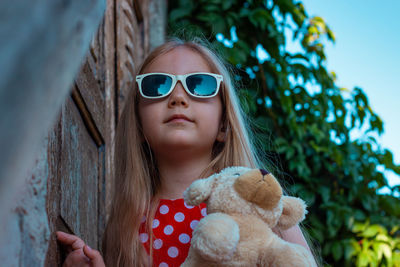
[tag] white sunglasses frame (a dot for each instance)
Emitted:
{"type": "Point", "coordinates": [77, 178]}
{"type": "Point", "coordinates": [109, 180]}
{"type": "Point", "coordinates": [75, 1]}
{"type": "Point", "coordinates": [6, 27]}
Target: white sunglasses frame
{"type": "Point", "coordinates": [175, 79]}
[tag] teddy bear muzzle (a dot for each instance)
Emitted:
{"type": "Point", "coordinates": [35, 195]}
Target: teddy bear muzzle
{"type": "Point", "coordinates": [259, 187]}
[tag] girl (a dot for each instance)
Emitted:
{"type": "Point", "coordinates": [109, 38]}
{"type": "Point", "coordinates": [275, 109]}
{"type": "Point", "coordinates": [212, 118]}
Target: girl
{"type": "Point", "coordinates": [182, 122]}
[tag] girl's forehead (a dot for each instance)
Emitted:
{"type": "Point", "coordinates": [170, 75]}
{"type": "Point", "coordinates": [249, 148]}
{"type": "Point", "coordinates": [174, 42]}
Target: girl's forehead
{"type": "Point", "coordinates": [180, 60]}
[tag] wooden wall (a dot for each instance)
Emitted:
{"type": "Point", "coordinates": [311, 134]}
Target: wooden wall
{"type": "Point", "coordinates": [69, 188]}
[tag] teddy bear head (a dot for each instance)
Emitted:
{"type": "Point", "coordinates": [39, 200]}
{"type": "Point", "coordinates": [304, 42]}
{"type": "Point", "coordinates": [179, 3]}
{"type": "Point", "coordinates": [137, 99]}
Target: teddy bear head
{"type": "Point", "coordinates": [245, 191]}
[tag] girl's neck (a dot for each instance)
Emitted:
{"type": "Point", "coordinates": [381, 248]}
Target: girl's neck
{"type": "Point", "coordinates": [177, 173]}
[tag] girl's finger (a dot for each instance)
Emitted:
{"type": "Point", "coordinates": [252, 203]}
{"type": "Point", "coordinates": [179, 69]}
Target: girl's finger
{"type": "Point", "coordinates": [70, 240]}
{"type": "Point", "coordinates": [77, 259]}
{"type": "Point", "coordinates": [94, 256]}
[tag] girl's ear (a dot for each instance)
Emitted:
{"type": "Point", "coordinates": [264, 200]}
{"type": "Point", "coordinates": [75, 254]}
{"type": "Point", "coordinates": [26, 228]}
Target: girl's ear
{"type": "Point", "coordinates": [221, 137]}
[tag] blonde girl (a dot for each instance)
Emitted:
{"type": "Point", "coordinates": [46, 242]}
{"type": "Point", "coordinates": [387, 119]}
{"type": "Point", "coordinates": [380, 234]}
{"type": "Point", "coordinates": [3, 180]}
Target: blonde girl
{"type": "Point", "coordinates": [182, 122]}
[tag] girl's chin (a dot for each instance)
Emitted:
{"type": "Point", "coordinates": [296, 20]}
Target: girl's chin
{"type": "Point", "coordinates": [179, 137]}
{"type": "Point", "coordinates": [182, 143]}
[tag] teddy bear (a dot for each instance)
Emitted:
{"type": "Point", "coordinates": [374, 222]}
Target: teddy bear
{"type": "Point", "coordinates": [243, 206]}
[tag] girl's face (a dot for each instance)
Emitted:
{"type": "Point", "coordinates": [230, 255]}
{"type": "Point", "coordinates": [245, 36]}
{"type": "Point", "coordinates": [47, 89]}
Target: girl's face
{"type": "Point", "coordinates": [179, 121]}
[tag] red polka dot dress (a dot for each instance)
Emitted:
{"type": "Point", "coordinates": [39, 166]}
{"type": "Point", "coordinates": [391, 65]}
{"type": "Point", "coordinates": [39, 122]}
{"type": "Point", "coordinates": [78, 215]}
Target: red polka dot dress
{"type": "Point", "coordinates": [172, 227]}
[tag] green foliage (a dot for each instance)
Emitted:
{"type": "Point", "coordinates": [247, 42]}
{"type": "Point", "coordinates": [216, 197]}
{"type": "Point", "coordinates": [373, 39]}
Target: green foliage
{"type": "Point", "coordinates": [374, 246]}
{"type": "Point", "coordinates": [306, 133]}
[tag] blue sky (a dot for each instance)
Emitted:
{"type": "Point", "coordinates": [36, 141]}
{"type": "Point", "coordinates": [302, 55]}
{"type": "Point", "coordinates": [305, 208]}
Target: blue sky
{"type": "Point", "coordinates": [366, 54]}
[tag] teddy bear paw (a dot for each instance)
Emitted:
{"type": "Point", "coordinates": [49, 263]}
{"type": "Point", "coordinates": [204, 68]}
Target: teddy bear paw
{"type": "Point", "coordinates": [216, 237]}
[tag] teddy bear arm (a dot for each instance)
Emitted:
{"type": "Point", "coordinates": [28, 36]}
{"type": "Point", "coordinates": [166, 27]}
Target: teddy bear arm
{"type": "Point", "coordinates": [294, 211]}
{"type": "Point", "coordinates": [199, 191]}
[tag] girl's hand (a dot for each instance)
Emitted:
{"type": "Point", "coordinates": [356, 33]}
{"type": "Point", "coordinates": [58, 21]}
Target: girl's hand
{"type": "Point", "coordinates": [79, 254]}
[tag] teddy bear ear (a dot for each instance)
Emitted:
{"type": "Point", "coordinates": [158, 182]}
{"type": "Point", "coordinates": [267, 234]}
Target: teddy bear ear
{"type": "Point", "coordinates": [294, 211]}
{"type": "Point", "coordinates": [199, 191]}
{"type": "Point", "coordinates": [259, 187]}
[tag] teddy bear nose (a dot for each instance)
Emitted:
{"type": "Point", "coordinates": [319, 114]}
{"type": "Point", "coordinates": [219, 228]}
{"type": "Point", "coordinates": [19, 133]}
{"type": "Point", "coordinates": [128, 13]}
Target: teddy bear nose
{"type": "Point", "coordinates": [264, 172]}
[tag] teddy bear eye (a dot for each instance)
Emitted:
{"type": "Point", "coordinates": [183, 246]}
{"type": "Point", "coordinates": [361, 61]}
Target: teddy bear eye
{"type": "Point", "coordinates": [236, 174]}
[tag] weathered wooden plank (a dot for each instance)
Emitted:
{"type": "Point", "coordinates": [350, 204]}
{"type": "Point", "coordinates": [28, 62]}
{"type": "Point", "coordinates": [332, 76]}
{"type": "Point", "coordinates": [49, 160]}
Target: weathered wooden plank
{"type": "Point", "coordinates": [101, 216]}
{"type": "Point", "coordinates": [95, 57]}
{"type": "Point", "coordinates": [157, 19]}
{"type": "Point", "coordinates": [130, 45]}
{"type": "Point", "coordinates": [91, 102]}
{"type": "Point", "coordinates": [53, 193]}
{"type": "Point", "coordinates": [79, 176]}
{"type": "Point", "coordinates": [110, 99]}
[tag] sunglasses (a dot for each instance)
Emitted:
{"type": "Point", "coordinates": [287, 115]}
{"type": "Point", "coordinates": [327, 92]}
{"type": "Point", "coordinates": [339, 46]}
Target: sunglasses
{"type": "Point", "coordinates": [199, 84]}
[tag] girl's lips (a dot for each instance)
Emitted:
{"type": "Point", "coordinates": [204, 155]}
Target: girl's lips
{"type": "Point", "coordinates": [178, 117]}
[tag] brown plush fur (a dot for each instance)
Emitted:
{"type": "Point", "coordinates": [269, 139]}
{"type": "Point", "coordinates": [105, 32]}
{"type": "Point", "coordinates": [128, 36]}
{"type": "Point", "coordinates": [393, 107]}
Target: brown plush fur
{"type": "Point", "coordinates": [261, 189]}
{"type": "Point", "coordinates": [243, 206]}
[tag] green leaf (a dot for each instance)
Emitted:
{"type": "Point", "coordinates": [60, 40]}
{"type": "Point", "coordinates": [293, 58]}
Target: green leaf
{"type": "Point", "coordinates": [387, 251]}
{"type": "Point", "coordinates": [337, 250]}
{"type": "Point", "coordinates": [396, 259]}
{"type": "Point", "coordinates": [307, 196]}
{"type": "Point", "coordinates": [359, 215]}
{"type": "Point", "coordinates": [177, 14]}
{"type": "Point", "coordinates": [377, 246]}
{"type": "Point", "coordinates": [326, 250]}
{"type": "Point", "coordinates": [351, 248]}
{"type": "Point", "coordinates": [359, 227]}
{"type": "Point", "coordinates": [207, 17]}
{"type": "Point", "coordinates": [371, 230]}
{"type": "Point", "coordinates": [260, 18]}
{"type": "Point", "coordinates": [363, 259]}
{"type": "Point", "coordinates": [211, 8]}
{"type": "Point", "coordinates": [219, 25]}
{"type": "Point", "coordinates": [382, 237]}
{"type": "Point", "coordinates": [226, 4]}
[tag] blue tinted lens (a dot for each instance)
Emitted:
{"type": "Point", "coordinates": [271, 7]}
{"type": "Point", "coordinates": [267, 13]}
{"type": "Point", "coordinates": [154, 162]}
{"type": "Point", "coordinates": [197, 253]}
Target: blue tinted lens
{"type": "Point", "coordinates": [201, 84]}
{"type": "Point", "coordinates": [156, 85]}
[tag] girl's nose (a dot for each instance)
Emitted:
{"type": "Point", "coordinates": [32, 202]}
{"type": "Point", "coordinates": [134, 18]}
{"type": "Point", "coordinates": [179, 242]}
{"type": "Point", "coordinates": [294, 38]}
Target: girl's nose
{"type": "Point", "coordinates": [178, 96]}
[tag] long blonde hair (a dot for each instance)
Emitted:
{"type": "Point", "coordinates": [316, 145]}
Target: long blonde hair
{"type": "Point", "coordinates": [136, 179]}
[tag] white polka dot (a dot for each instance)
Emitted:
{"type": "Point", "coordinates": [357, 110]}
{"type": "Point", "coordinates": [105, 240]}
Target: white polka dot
{"type": "Point", "coordinates": [204, 212]}
{"type": "Point", "coordinates": [157, 244]}
{"type": "Point", "coordinates": [193, 224]}
{"type": "Point", "coordinates": [156, 223]}
{"type": "Point", "coordinates": [163, 264]}
{"type": "Point", "coordinates": [143, 219]}
{"type": "Point", "coordinates": [188, 206]}
{"type": "Point", "coordinates": [184, 238]}
{"type": "Point", "coordinates": [164, 209]}
{"type": "Point", "coordinates": [168, 229]}
{"type": "Point", "coordinates": [179, 217]}
{"type": "Point", "coordinates": [173, 252]}
{"type": "Point", "coordinates": [143, 237]}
